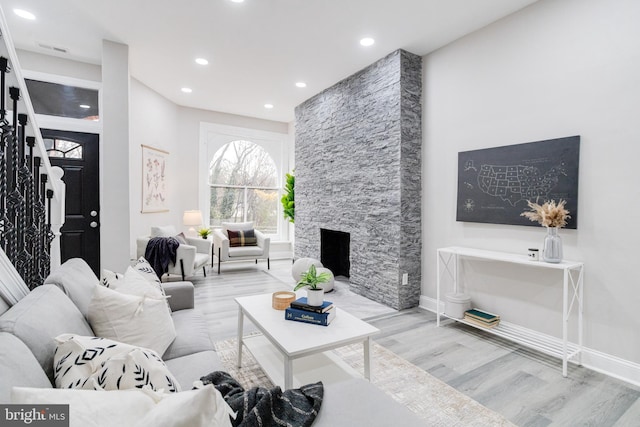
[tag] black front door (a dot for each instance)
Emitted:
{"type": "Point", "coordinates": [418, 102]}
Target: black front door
{"type": "Point", "coordinates": [77, 154]}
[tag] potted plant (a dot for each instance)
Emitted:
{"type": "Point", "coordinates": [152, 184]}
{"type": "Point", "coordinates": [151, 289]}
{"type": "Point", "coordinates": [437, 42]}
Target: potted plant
{"type": "Point", "coordinates": [553, 216]}
{"type": "Point", "coordinates": [204, 232]}
{"type": "Point", "coordinates": [311, 278]}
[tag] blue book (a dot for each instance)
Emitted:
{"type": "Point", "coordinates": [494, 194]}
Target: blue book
{"type": "Point", "coordinates": [301, 304]}
{"type": "Point", "coordinates": [309, 316]}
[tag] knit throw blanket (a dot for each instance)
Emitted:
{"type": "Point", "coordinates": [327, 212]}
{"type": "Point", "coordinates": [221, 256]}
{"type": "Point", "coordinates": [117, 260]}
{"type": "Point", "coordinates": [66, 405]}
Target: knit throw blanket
{"type": "Point", "coordinates": [264, 407]}
{"type": "Point", "coordinates": [160, 252]}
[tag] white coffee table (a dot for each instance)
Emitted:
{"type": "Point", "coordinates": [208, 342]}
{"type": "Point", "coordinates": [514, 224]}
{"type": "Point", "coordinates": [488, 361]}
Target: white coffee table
{"type": "Point", "coordinates": [283, 341]}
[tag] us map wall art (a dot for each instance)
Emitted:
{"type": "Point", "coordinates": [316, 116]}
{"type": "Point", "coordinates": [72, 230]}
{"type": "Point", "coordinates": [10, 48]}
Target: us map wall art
{"type": "Point", "coordinates": [494, 184]}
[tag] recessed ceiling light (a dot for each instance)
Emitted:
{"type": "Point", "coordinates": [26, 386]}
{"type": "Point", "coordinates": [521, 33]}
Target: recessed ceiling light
{"type": "Point", "coordinates": [367, 41]}
{"type": "Point", "coordinates": [24, 14]}
{"type": "Point", "coordinates": [201, 61]}
{"type": "Point", "coordinates": [186, 90]}
{"type": "Point", "coordinates": [301, 84]}
{"type": "Point", "coordinates": [85, 106]}
{"type": "Point", "coordinates": [268, 106]}
{"type": "Point", "coordinates": [237, 1]}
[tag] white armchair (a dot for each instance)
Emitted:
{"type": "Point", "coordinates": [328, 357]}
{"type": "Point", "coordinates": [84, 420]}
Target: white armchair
{"type": "Point", "coordinates": [226, 252]}
{"type": "Point", "coordinates": [189, 258]}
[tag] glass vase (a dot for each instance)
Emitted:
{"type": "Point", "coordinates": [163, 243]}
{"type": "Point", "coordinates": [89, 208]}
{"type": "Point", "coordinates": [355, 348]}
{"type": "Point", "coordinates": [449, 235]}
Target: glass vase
{"type": "Point", "coordinates": [552, 248]}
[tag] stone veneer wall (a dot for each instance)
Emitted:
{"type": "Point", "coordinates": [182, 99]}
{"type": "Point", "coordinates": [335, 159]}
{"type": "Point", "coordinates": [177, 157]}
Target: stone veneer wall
{"type": "Point", "coordinates": [358, 170]}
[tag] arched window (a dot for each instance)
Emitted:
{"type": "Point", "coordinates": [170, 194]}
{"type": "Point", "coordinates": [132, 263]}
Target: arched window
{"type": "Point", "coordinates": [243, 179]}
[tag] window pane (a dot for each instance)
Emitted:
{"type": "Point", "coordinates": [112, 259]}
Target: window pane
{"type": "Point", "coordinates": [227, 205]}
{"type": "Point", "coordinates": [55, 99]}
{"type": "Point", "coordinates": [243, 163]}
{"type": "Point", "coordinates": [62, 148]}
{"type": "Point", "coordinates": [262, 208]}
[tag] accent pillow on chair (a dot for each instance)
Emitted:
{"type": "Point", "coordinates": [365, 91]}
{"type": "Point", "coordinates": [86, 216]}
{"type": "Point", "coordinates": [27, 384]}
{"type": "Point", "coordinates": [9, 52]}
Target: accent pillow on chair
{"type": "Point", "coordinates": [93, 363]}
{"type": "Point", "coordinates": [242, 238]}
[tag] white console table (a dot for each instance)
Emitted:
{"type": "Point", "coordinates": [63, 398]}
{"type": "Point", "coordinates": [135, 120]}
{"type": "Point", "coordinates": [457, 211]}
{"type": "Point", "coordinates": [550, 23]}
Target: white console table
{"type": "Point", "coordinates": [448, 262]}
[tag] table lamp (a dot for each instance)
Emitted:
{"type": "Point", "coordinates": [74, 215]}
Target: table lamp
{"type": "Point", "coordinates": [192, 219]}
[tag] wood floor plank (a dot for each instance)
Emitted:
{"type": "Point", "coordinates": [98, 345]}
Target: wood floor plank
{"type": "Point", "coordinates": [522, 384]}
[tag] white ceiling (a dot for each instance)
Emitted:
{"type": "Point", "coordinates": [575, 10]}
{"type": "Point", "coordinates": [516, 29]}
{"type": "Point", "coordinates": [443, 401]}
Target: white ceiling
{"type": "Point", "coordinates": [257, 50]}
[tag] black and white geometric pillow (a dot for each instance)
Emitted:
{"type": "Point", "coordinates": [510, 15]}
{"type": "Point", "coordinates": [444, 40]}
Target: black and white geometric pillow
{"type": "Point", "coordinates": [93, 363]}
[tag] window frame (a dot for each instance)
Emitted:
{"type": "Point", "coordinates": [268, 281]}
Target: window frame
{"type": "Point", "coordinates": [214, 136]}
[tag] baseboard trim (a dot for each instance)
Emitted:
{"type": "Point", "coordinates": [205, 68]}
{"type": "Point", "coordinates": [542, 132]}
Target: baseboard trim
{"type": "Point", "coordinates": [598, 361]}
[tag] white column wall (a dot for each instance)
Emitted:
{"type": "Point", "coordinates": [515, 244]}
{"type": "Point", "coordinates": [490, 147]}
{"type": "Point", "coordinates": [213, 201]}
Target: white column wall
{"type": "Point", "coordinates": [114, 160]}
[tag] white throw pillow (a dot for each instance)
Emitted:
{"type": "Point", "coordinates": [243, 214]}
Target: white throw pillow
{"type": "Point", "coordinates": [163, 231]}
{"type": "Point", "coordinates": [94, 363]}
{"type": "Point", "coordinates": [201, 407]}
{"type": "Point", "coordinates": [133, 283]}
{"type": "Point", "coordinates": [142, 267]}
{"type": "Point", "coordinates": [137, 320]}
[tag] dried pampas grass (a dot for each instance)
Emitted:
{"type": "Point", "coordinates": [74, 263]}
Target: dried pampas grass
{"type": "Point", "coordinates": [549, 214]}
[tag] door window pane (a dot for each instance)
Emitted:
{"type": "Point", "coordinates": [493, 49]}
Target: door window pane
{"type": "Point", "coordinates": [62, 148]}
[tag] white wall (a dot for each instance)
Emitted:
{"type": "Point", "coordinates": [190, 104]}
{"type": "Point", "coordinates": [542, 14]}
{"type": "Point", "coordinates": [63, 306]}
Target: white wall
{"type": "Point", "coordinates": [154, 123]}
{"type": "Point", "coordinates": [557, 68]}
{"type": "Point", "coordinates": [158, 122]}
{"type": "Point", "coordinates": [60, 66]}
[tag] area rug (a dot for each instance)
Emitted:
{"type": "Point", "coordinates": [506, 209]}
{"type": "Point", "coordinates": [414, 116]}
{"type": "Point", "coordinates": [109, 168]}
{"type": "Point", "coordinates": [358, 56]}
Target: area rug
{"type": "Point", "coordinates": [437, 403]}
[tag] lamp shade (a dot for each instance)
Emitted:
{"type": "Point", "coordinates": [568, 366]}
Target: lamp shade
{"type": "Point", "coordinates": [192, 218]}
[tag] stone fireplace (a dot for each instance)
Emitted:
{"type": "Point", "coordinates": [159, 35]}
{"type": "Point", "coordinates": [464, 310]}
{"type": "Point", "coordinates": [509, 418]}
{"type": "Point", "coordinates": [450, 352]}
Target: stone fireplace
{"type": "Point", "coordinates": [358, 172]}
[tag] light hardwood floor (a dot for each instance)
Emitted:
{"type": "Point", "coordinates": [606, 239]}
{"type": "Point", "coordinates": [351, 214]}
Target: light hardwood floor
{"type": "Point", "coordinates": [525, 386]}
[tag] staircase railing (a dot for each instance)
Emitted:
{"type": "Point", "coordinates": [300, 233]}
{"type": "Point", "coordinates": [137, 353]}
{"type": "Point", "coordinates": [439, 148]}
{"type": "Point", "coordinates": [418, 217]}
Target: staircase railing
{"type": "Point", "coordinates": [31, 191]}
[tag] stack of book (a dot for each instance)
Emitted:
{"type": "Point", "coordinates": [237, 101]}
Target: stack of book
{"type": "Point", "coordinates": [300, 311]}
{"type": "Point", "coordinates": [481, 318]}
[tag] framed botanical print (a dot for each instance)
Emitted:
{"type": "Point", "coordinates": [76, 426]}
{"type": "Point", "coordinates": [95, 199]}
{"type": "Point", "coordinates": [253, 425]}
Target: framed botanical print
{"type": "Point", "coordinates": [154, 180]}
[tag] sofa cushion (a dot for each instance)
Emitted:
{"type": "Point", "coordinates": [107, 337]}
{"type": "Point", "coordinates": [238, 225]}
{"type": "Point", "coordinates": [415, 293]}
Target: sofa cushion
{"type": "Point", "coordinates": [372, 407]}
{"type": "Point", "coordinates": [77, 281]}
{"type": "Point", "coordinates": [94, 363]}
{"type": "Point", "coordinates": [192, 334]}
{"type": "Point", "coordinates": [140, 408]}
{"type": "Point", "coordinates": [137, 320]}
{"type": "Point", "coordinates": [190, 368]}
{"type": "Point", "coordinates": [38, 318]}
{"type": "Point", "coordinates": [18, 367]}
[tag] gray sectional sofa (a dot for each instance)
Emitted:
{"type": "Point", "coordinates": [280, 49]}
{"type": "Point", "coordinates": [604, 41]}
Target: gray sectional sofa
{"type": "Point", "coordinates": [28, 328]}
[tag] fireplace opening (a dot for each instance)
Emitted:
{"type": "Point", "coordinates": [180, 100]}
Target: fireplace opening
{"type": "Point", "coordinates": [334, 251]}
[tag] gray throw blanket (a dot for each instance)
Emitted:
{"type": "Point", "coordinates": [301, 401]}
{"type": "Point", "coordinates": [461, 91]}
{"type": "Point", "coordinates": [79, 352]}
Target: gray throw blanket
{"type": "Point", "coordinates": [160, 252]}
{"type": "Point", "coordinates": [268, 407]}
